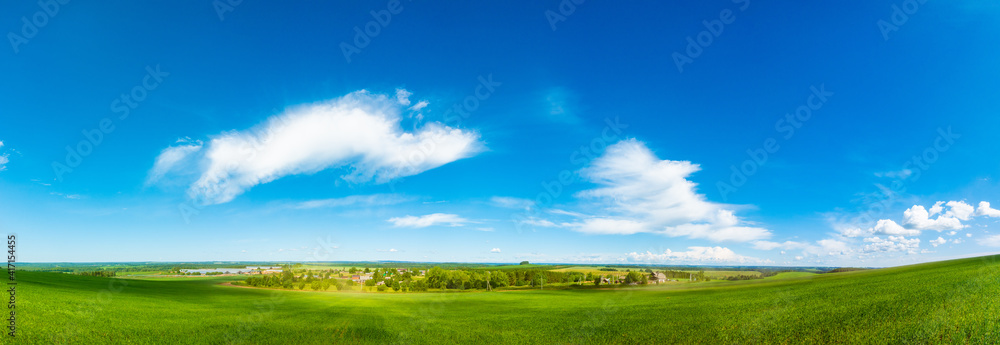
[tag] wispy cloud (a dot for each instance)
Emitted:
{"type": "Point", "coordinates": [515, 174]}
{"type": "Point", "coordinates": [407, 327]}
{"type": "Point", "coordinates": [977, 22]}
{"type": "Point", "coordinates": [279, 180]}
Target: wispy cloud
{"type": "Point", "coordinates": [640, 193]}
{"type": "Point", "coordinates": [4, 159]}
{"type": "Point", "coordinates": [511, 202]}
{"type": "Point", "coordinates": [990, 241]}
{"type": "Point", "coordinates": [695, 255]}
{"type": "Point", "coordinates": [428, 220]}
{"type": "Point", "coordinates": [356, 200]}
{"type": "Point", "coordinates": [562, 105]}
{"type": "Point", "coordinates": [359, 132]}
{"type": "Point", "coordinates": [67, 196]}
{"type": "Point", "coordinates": [170, 157]}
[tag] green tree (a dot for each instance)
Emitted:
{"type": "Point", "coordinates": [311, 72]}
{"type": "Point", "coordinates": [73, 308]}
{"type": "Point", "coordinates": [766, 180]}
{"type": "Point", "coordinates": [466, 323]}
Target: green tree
{"type": "Point", "coordinates": [525, 262]}
{"type": "Point", "coordinates": [302, 285]}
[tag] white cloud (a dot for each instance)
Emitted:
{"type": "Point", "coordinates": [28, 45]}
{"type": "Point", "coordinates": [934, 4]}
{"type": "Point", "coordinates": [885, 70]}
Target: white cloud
{"type": "Point", "coordinates": [882, 227]}
{"type": "Point", "coordinates": [695, 254]}
{"type": "Point", "coordinates": [960, 210]}
{"type": "Point", "coordinates": [359, 132]}
{"type": "Point", "coordinates": [937, 208]}
{"type": "Point", "coordinates": [968, 235]}
{"type": "Point", "coordinates": [891, 244]}
{"type": "Point", "coordinates": [828, 247]}
{"type": "Point", "coordinates": [510, 202]}
{"type": "Point", "coordinates": [495, 250]}
{"type": "Point", "coordinates": [485, 229]}
{"type": "Point", "coordinates": [787, 245]}
{"type": "Point", "coordinates": [990, 241]}
{"type": "Point", "coordinates": [639, 193]}
{"type": "Point", "coordinates": [918, 218]}
{"type": "Point", "coordinates": [952, 233]}
{"type": "Point", "coordinates": [889, 227]}
{"type": "Point", "coordinates": [538, 222]}
{"type": "Point", "coordinates": [428, 220]}
{"type": "Point", "coordinates": [899, 174]}
{"type": "Point", "coordinates": [355, 200]}
{"type": "Point", "coordinates": [985, 210]}
{"type": "Point", "coordinates": [420, 105]}
{"type": "Point", "coordinates": [170, 157]}
{"type": "Point", "coordinates": [939, 241]}
{"type": "Point", "coordinates": [4, 159]}
{"type": "Point", "coordinates": [403, 97]}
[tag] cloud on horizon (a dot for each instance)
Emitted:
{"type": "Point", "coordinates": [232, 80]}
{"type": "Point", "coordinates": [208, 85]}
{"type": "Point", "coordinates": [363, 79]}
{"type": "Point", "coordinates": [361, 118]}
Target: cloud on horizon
{"type": "Point", "coordinates": [695, 255]}
{"type": "Point", "coordinates": [640, 193]}
{"type": "Point", "coordinates": [424, 221]}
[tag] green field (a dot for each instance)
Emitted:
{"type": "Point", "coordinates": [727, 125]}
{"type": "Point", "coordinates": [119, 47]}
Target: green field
{"type": "Point", "coordinates": [944, 302]}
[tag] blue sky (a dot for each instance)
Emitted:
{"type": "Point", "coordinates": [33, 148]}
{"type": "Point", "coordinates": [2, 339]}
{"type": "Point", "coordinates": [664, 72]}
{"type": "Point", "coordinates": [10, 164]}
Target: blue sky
{"type": "Point", "coordinates": [861, 134]}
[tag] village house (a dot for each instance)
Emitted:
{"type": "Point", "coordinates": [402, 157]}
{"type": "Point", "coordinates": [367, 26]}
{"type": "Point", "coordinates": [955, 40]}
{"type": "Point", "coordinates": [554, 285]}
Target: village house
{"type": "Point", "coordinates": [361, 278]}
{"type": "Point", "coordinates": [658, 277]}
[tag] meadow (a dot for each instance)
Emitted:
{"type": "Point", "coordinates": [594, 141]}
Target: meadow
{"type": "Point", "coordinates": [942, 302]}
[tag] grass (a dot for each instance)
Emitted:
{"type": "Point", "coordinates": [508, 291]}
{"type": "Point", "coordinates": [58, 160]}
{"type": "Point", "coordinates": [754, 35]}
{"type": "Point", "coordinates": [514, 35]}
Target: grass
{"type": "Point", "coordinates": [944, 302]}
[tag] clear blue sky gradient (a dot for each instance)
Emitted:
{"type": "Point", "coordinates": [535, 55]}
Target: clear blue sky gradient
{"type": "Point", "coordinates": [892, 89]}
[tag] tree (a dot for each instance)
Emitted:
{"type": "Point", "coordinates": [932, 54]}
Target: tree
{"type": "Point", "coordinates": [316, 285]}
{"type": "Point", "coordinates": [597, 280]}
{"type": "Point", "coordinates": [302, 285]}
{"type": "Point", "coordinates": [352, 270]}
{"type": "Point", "coordinates": [525, 262]}
{"type": "Point", "coordinates": [368, 270]}
{"type": "Point", "coordinates": [324, 284]}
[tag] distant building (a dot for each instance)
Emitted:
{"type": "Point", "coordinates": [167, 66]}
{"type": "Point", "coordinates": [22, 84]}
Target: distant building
{"type": "Point", "coordinates": [658, 277]}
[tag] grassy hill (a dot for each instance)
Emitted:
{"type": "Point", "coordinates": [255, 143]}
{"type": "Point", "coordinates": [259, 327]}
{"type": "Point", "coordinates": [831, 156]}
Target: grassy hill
{"type": "Point", "coordinates": [943, 302]}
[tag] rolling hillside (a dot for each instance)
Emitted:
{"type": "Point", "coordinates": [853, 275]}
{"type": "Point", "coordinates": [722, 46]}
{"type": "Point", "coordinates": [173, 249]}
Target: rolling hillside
{"type": "Point", "coordinates": [943, 302]}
